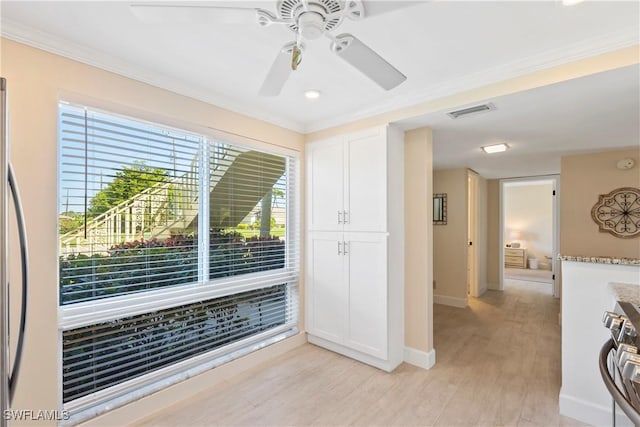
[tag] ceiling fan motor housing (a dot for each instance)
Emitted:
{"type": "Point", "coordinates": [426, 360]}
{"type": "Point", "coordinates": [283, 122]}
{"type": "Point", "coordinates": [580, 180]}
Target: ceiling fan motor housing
{"type": "Point", "coordinates": [311, 24]}
{"type": "Point", "coordinates": [311, 21]}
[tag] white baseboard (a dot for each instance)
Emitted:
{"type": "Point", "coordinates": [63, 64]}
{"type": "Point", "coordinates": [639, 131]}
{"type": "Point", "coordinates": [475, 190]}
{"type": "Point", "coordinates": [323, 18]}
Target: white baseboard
{"type": "Point", "coordinates": [452, 301]}
{"type": "Point", "coordinates": [419, 358]}
{"type": "Point", "coordinates": [385, 365]}
{"type": "Point", "coordinates": [493, 286]}
{"type": "Point", "coordinates": [587, 412]}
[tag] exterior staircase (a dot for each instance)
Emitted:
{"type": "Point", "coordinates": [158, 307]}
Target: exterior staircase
{"type": "Point", "coordinates": [172, 206]}
{"type": "Point", "coordinates": [240, 188]}
{"type": "Point", "coordinates": [155, 211]}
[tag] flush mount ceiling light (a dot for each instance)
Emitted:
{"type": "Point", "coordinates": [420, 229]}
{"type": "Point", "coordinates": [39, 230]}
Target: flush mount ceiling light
{"type": "Point", "coordinates": [571, 2]}
{"type": "Point", "coordinates": [312, 94]}
{"type": "Point", "coordinates": [497, 148]}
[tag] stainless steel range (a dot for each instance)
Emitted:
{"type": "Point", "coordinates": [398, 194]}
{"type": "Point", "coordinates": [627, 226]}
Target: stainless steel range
{"type": "Point", "coordinates": [620, 360]}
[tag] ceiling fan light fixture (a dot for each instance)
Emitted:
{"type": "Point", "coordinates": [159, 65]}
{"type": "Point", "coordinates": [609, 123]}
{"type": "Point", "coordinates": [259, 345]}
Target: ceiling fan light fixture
{"type": "Point", "coordinates": [496, 148]}
{"type": "Point", "coordinates": [312, 94]}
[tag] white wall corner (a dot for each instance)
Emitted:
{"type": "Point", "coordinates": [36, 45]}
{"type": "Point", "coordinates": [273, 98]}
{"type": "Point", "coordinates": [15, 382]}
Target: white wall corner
{"type": "Point", "coordinates": [419, 358]}
{"type": "Point", "coordinates": [451, 301]}
{"type": "Point", "coordinates": [482, 288]}
{"type": "Point", "coordinates": [493, 286]}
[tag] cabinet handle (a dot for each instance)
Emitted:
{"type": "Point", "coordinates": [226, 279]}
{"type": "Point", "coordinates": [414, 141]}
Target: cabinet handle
{"type": "Point", "coordinates": [345, 246]}
{"type": "Point", "coordinates": [345, 215]}
{"type": "Point", "coordinates": [339, 252]}
{"type": "Point", "coordinates": [339, 217]}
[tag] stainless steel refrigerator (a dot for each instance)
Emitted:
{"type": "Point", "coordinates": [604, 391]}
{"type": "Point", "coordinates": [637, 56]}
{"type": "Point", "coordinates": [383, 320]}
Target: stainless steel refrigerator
{"type": "Point", "coordinates": [9, 369]}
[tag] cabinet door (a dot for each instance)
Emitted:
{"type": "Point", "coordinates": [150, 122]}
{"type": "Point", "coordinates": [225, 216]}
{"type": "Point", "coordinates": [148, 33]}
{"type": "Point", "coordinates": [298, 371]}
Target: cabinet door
{"type": "Point", "coordinates": [368, 301]}
{"type": "Point", "coordinates": [325, 185]}
{"type": "Point", "coordinates": [366, 181]}
{"type": "Point", "coordinates": [327, 291]}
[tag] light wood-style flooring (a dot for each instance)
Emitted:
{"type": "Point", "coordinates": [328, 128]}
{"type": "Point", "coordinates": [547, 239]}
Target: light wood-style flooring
{"type": "Point", "coordinates": [539, 275]}
{"type": "Point", "coordinates": [498, 364]}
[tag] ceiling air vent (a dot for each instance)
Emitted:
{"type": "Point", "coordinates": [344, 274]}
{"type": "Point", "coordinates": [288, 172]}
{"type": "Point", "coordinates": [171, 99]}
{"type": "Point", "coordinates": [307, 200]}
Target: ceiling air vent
{"type": "Point", "coordinates": [476, 109]}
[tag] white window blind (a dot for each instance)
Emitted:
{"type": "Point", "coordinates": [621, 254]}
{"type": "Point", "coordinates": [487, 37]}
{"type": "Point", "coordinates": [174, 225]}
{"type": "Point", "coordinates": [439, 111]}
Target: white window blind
{"type": "Point", "coordinates": [176, 250]}
{"type": "Point", "coordinates": [127, 189]}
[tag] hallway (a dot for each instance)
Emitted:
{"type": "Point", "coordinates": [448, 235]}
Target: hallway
{"type": "Point", "coordinates": [498, 363]}
{"type": "Point", "coordinates": [506, 349]}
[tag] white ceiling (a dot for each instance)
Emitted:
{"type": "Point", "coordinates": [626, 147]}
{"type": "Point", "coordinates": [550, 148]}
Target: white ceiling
{"type": "Point", "coordinates": [443, 47]}
{"type": "Point", "coordinates": [594, 113]}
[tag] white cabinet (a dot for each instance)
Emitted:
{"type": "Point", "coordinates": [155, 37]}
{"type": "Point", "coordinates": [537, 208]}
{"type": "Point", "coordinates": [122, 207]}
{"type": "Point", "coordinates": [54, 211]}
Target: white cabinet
{"type": "Point", "coordinates": [348, 296]}
{"type": "Point", "coordinates": [327, 313]}
{"type": "Point", "coordinates": [365, 273]}
{"type": "Point", "coordinates": [325, 183]}
{"type": "Point", "coordinates": [355, 245]}
{"type": "Point", "coordinates": [348, 182]}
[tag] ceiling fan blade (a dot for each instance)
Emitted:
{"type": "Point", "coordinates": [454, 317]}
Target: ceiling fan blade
{"type": "Point", "coordinates": [357, 9]}
{"type": "Point", "coordinates": [278, 73]}
{"type": "Point", "coordinates": [160, 13]}
{"type": "Point", "coordinates": [374, 8]}
{"type": "Point", "coordinates": [367, 61]}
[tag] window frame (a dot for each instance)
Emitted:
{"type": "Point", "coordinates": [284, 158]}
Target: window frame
{"type": "Point", "coordinates": [84, 313]}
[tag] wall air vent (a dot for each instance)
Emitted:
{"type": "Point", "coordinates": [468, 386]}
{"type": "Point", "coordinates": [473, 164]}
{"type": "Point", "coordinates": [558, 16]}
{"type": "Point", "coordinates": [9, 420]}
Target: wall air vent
{"type": "Point", "coordinates": [476, 109]}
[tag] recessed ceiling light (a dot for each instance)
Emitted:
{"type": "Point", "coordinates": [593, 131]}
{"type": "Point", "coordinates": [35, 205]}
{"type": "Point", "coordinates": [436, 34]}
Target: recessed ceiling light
{"type": "Point", "coordinates": [497, 148]}
{"type": "Point", "coordinates": [571, 2]}
{"type": "Point", "coordinates": [312, 94]}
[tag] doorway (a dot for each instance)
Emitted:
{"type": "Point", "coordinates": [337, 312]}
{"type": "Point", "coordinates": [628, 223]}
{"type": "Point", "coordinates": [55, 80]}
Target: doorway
{"type": "Point", "coordinates": [529, 230]}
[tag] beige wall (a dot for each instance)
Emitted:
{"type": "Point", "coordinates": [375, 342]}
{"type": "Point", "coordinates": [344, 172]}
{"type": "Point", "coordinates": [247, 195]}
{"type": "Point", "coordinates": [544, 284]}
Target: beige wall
{"type": "Point", "coordinates": [529, 209]}
{"type": "Point", "coordinates": [493, 234]}
{"type": "Point", "coordinates": [418, 293]}
{"type": "Point", "coordinates": [36, 81]}
{"type": "Point", "coordinates": [450, 240]}
{"type": "Point", "coordinates": [582, 179]}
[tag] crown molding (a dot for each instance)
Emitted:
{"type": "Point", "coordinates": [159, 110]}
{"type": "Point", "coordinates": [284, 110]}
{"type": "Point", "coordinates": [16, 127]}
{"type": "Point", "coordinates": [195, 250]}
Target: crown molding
{"type": "Point", "coordinates": [77, 52]}
{"type": "Point", "coordinates": [622, 38]}
{"type": "Point", "coordinates": [625, 37]}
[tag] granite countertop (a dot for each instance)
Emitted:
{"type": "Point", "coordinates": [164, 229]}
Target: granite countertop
{"type": "Point", "coordinates": [600, 259]}
{"type": "Point", "coordinates": [626, 292]}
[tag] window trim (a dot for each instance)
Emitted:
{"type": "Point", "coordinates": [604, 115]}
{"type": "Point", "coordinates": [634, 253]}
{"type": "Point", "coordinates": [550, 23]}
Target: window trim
{"type": "Point", "coordinates": [86, 313]}
{"type": "Point", "coordinates": [203, 129]}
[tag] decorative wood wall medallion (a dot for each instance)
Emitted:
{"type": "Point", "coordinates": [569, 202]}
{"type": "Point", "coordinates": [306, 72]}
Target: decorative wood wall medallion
{"type": "Point", "coordinates": [618, 212]}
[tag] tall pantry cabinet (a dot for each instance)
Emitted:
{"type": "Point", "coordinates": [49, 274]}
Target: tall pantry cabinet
{"type": "Point", "coordinates": [355, 245]}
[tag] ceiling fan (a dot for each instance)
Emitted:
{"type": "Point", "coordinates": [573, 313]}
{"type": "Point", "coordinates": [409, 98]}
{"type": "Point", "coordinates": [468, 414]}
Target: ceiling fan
{"type": "Point", "coordinates": [308, 19]}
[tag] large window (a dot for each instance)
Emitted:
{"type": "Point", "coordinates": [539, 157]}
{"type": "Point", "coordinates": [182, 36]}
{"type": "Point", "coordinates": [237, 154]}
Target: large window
{"type": "Point", "coordinates": [177, 251]}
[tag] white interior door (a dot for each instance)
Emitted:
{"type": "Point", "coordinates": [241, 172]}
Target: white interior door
{"type": "Point", "coordinates": [367, 277]}
{"type": "Point", "coordinates": [325, 185]}
{"type": "Point", "coordinates": [555, 264]}
{"type": "Point", "coordinates": [472, 234]}
{"type": "Point", "coordinates": [327, 292]}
